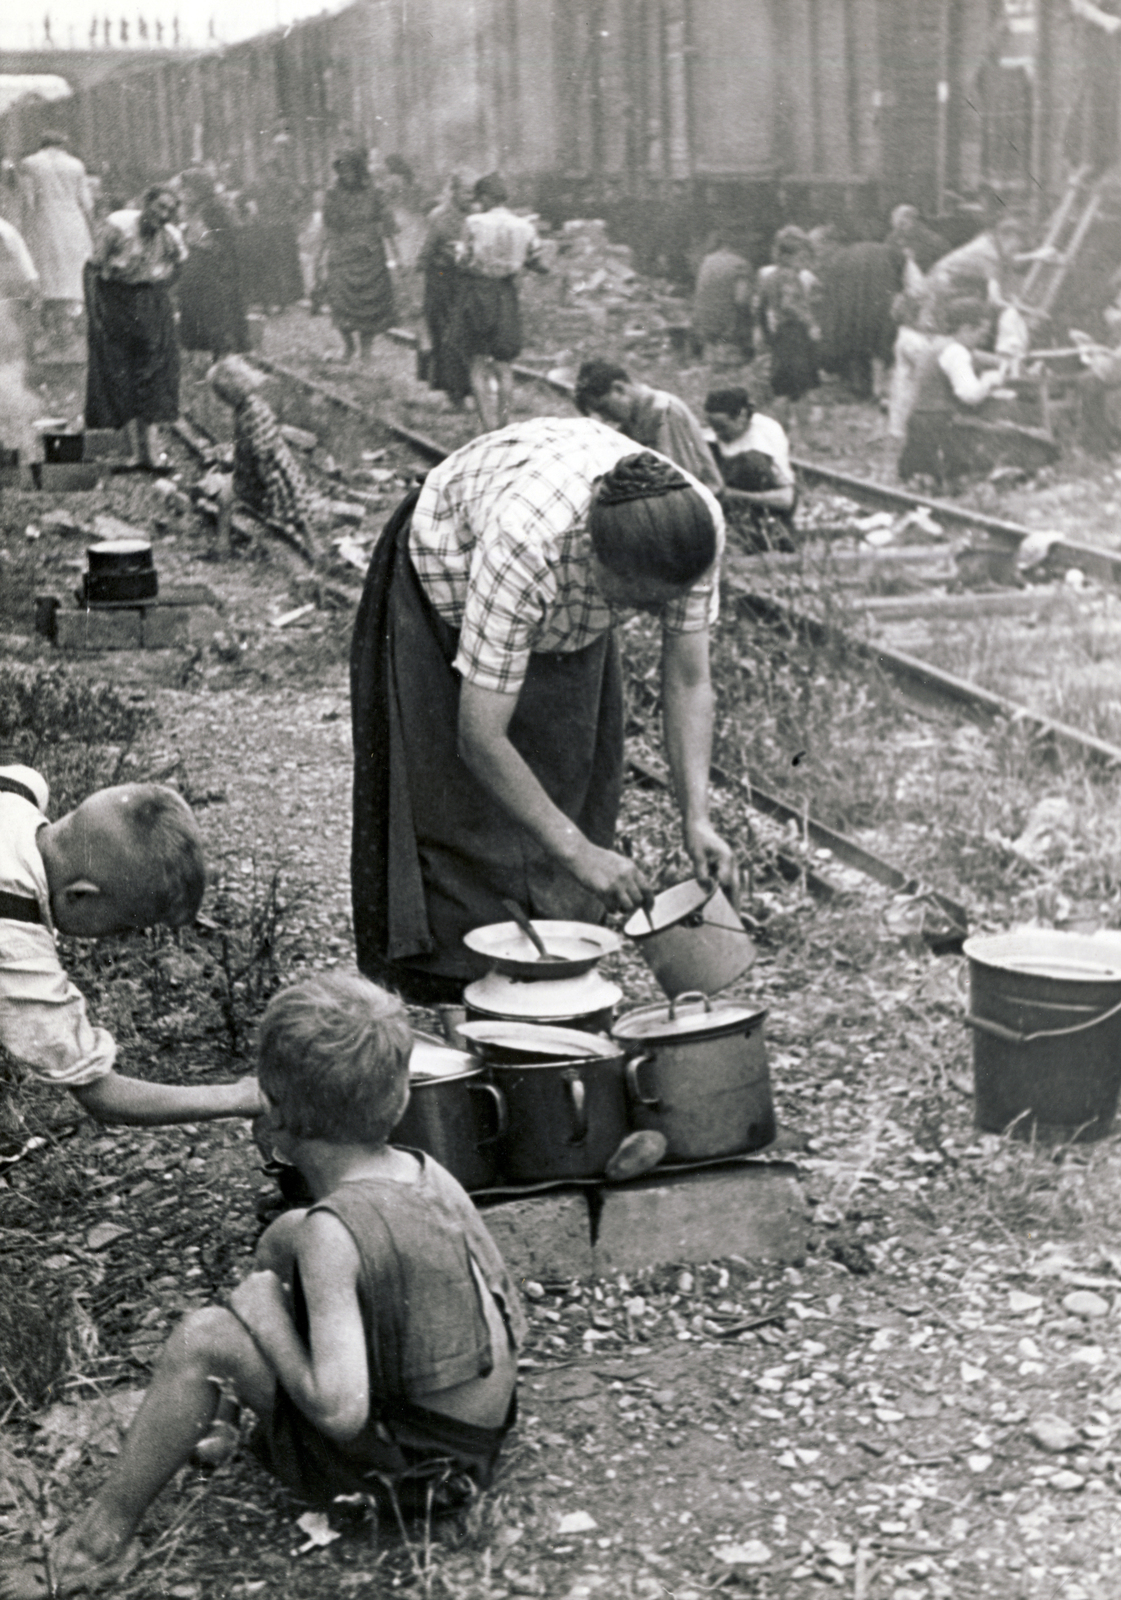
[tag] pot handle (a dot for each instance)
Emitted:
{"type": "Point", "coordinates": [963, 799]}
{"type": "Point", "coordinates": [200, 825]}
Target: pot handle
{"type": "Point", "coordinates": [578, 1104]}
{"type": "Point", "coordinates": [500, 1117]}
{"type": "Point", "coordinates": [688, 994]}
{"type": "Point", "coordinates": [634, 1088]}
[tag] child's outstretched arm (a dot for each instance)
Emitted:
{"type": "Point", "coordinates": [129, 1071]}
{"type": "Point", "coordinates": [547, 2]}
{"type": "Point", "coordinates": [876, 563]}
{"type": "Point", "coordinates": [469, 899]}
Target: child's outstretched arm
{"type": "Point", "coordinates": [137, 1103]}
{"type": "Point", "coordinates": [329, 1377]}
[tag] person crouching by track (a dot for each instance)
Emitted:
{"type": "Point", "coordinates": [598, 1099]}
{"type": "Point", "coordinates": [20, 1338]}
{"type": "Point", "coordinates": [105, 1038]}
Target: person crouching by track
{"type": "Point", "coordinates": [486, 691]}
{"type": "Point", "coordinates": [752, 452]}
{"type": "Point", "coordinates": [375, 1338]}
{"type": "Point", "coordinates": [947, 388]}
{"type": "Point", "coordinates": [133, 374]}
{"type": "Point", "coordinates": [266, 479]}
{"type": "Point", "coordinates": [653, 418]}
{"type": "Point", "coordinates": [485, 327]}
{"type": "Point", "coordinates": [127, 857]}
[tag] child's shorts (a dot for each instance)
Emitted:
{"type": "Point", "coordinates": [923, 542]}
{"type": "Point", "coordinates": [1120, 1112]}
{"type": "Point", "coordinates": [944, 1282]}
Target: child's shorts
{"type": "Point", "coordinates": [421, 1457]}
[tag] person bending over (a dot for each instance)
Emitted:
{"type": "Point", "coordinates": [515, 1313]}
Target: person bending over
{"type": "Point", "coordinates": [376, 1337]}
{"type": "Point", "coordinates": [127, 857]}
{"type": "Point", "coordinates": [653, 418]}
{"type": "Point", "coordinates": [486, 691]}
{"type": "Point", "coordinates": [947, 390]}
{"type": "Point", "coordinates": [758, 492]}
{"type": "Point", "coordinates": [266, 477]}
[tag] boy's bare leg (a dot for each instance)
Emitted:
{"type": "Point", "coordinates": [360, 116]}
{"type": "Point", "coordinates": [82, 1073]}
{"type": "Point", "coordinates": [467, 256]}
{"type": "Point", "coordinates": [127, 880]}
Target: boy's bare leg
{"type": "Point", "coordinates": [505, 391]}
{"type": "Point", "coordinates": [481, 368]}
{"type": "Point", "coordinates": [176, 1411]}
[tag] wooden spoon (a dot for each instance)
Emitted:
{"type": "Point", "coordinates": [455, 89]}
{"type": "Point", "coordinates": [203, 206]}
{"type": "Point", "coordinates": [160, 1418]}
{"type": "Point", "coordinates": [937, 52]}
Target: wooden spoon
{"type": "Point", "coordinates": [527, 928]}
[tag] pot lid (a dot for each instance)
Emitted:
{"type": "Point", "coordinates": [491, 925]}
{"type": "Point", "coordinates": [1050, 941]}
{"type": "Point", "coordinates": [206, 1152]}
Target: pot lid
{"type": "Point", "coordinates": [533, 1039]}
{"type": "Point", "coordinates": [1049, 953]}
{"type": "Point", "coordinates": [670, 906]}
{"type": "Point", "coordinates": [543, 998]}
{"type": "Point", "coordinates": [430, 1061]}
{"type": "Point", "coordinates": [112, 549]}
{"type": "Point", "coordinates": [694, 1018]}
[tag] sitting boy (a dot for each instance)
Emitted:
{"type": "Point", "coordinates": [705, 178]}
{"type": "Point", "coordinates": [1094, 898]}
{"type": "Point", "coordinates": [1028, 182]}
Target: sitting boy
{"type": "Point", "coordinates": [753, 454]}
{"type": "Point", "coordinates": [375, 1339]}
{"type": "Point", "coordinates": [127, 857]}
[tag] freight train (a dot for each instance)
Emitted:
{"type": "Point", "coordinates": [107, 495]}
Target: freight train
{"type": "Point", "coordinates": [668, 116]}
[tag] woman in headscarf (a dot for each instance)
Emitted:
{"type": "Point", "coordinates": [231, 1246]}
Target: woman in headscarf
{"type": "Point", "coordinates": [356, 224]}
{"type": "Point", "coordinates": [211, 304]}
{"type": "Point", "coordinates": [486, 691]}
{"type": "Point", "coordinates": [133, 371]}
{"type": "Point", "coordinates": [444, 368]}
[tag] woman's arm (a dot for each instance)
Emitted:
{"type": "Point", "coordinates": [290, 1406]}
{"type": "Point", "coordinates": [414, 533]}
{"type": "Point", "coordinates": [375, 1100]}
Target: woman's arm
{"type": "Point", "coordinates": [484, 745]}
{"type": "Point", "coordinates": [687, 699]}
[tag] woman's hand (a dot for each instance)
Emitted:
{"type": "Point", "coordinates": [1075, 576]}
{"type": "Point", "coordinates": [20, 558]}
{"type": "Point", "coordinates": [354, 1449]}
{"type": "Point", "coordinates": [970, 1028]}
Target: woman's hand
{"type": "Point", "coordinates": [712, 857]}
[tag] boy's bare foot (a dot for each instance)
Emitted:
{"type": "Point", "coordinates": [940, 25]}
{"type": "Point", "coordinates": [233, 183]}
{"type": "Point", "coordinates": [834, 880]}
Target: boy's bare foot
{"type": "Point", "coordinates": [75, 1568]}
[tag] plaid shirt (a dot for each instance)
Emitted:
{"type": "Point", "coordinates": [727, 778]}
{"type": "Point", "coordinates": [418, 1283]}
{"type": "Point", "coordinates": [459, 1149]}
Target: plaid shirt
{"type": "Point", "coordinates": [501, 546]}
{"type": "Point", "coordinates": [266, 476]}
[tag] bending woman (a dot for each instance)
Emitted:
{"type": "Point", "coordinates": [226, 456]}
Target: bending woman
{"type": "Point", "coordinates": [486, 691]}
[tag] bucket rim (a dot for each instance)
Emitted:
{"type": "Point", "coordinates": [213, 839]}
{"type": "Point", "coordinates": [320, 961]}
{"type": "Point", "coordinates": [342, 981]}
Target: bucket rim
{"type": "Point", "coordinates": [633, 926]}
{"type": "Point", "coordinates": [1050, 953]}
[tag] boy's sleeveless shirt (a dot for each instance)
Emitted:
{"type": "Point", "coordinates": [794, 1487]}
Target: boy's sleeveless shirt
{"type": "Point", "coordinates": [415, 1242]}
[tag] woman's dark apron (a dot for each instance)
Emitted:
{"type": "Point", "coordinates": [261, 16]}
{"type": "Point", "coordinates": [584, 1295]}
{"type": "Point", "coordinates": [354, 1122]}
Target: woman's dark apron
{"type": "Point", "coordinates": [432, 854]}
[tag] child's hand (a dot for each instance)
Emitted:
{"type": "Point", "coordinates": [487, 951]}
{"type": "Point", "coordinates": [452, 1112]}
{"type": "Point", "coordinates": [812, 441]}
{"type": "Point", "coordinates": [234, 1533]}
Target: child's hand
{"type": "Point", "coordinates": [259, 1297]}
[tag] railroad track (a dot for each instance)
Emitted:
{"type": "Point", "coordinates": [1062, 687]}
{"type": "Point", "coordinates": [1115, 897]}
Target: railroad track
{"type": "Point", "coordinates": [924, 683]}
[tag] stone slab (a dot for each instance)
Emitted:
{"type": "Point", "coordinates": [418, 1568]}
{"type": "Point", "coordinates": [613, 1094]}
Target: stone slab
{"type": "Point", "coordinates": [544, 1236]}
{"type": "Point", "coordinates": [98, 630]}
{"type": "Point", "coordinates": [65, 476]}
{"type": "Point", "coordinates": [757, 1212]}
{"type": "Point", "coordinates": [165, 628]}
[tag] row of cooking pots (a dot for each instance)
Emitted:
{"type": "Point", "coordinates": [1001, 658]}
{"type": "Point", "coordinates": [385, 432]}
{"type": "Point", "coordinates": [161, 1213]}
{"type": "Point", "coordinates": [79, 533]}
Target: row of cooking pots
{"type": "Point", "coordinates": [528, 1103]}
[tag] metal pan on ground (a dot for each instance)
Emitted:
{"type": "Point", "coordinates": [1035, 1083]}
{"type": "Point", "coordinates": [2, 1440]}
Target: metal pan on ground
{"type": "Point", "coordinates": [573, 948]}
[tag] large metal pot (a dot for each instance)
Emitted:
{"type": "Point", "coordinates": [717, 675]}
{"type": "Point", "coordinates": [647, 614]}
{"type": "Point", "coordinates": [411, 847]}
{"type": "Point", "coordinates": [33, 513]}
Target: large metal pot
{"type": "Point", "coordinates": [586, 1002]}
{"type": "Point", "coordinates": [692, 938]}
{"type": "Point", "coordinates": [453, 1114]}
{"type": "Point", "coordinates": [566, 1117]}
{"type": "Point", "coordinates": [697, 1073]}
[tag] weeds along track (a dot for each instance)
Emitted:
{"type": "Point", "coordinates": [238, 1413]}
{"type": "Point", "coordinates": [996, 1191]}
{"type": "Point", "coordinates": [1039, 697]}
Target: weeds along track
{"type": "Point", "coordinates": [880, 621]}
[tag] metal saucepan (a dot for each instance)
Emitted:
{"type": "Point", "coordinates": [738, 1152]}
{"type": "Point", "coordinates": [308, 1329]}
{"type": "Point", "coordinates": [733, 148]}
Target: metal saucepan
{"type": "Point", "coordinates": [566, 1118]}
{"type": "Point", "coordinates": [573, 948]}
{"type": "Point", "coordinates": [453, 1113]}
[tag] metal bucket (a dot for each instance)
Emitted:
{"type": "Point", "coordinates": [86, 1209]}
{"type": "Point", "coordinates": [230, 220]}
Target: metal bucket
{"type": "Point", "coordinates": [1045, 1009]}
{"type": "Point", "coordinates": [692, 939]}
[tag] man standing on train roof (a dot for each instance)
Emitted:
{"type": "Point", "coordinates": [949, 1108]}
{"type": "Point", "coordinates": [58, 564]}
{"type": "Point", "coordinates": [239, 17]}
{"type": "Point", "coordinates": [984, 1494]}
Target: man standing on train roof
{"type": "Point", "coordinates": [653, 418]}
{"type": "Point", "coordinates": [486, 691]}
{"type": "Point", "coordinates": [485, 329]}
{"type": "Point", "coordinates": [57, 211]}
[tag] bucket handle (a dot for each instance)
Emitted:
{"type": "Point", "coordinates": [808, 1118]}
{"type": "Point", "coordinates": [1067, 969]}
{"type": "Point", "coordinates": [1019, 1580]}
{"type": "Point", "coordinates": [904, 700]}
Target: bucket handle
{"type": "Point", "coordinates": [998, 1031]}
{"type": "Point", "coordinates": [634, 1088]}
{"type": "Point", "coordinates": [697, 919]}
{"type": "Point", "coordinates": [577, 1100]}
{"type": "Point", "coordinates": [500, 1117]}
{"type": "Point", "coordinates": [688, 994]}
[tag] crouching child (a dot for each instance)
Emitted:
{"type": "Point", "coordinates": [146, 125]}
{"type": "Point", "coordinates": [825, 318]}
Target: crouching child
{"type": "Point", "coordinates": [376, 1337]}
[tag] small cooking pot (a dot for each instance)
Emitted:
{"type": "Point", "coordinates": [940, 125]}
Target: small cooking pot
{"type": "Point", "coordinates": [63, 447]}
{"type": "Point", "coordinates": [566, 1117]}
{"type": "Point", "coordinates": [453, 1114]}
{"type": "Point", "coordinates": [587, 1002]}
{"type": "Point", "coordinates": [120, 571]}
{"type": "Point", "coordinates": [692, 939]}
{"type": "Point", "coordinates": [701, 1076]}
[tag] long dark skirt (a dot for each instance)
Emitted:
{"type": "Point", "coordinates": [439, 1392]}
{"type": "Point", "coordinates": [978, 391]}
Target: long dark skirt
{"type": "Point", "coordinates": [447, 369]}
{"type": "Point", "coordinates": [359, 287]}
{"type": "Point", "coordinates": [133, 368]}
{"type": "Point", "coordinates": [793, 361]}
{"type": "Point", "coordinates": [859, 286]}
{"type": "Point", "coordinates": [432, 854]}
{"type": "Point", "coordinates": [211, 304]}
{"type": "Point", "coordinates": [487, 319]}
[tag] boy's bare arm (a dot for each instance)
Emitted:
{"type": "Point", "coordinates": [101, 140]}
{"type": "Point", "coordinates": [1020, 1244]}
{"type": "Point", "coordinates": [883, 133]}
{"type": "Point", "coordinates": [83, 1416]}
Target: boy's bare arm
{"type": "Point", "coordinates": [136, 1103]}
{"type": "Point", "coordinates": [329, 1380]}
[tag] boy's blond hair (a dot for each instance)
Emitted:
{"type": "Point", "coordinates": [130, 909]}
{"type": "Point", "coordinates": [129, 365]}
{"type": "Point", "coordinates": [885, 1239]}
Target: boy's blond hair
{"type": "Point", "coordinates": [333, 1058]}
{"type": "Point", "coordinates": [167, 852]}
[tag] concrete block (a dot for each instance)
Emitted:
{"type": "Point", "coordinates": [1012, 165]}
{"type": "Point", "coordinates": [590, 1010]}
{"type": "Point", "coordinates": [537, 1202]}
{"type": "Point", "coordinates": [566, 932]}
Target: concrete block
{"type": "Point", "coordinates": [543, 1236]}
{"type": "Point", "coordinates": [165, 628]}
{"type": "Point", "coordinates": [98, 630]}
{"type": "Point", "coordinates": [754, 1211]}
{"type": "Point", "coordinates": [67, 476]}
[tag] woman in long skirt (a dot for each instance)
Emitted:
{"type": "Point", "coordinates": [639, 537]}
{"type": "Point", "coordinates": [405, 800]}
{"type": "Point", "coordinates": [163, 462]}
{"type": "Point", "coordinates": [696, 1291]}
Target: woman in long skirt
{"type": "Point", "coordinates": [357, 222]}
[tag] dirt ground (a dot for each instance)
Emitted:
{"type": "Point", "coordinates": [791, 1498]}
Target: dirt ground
{"type": "Point", "coordinates": [926, 1408]}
